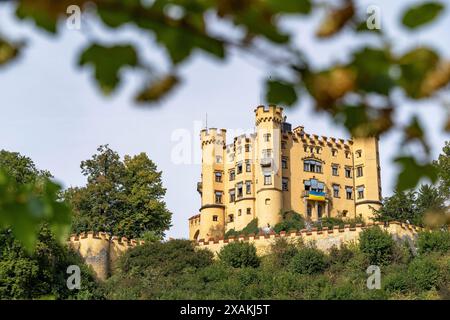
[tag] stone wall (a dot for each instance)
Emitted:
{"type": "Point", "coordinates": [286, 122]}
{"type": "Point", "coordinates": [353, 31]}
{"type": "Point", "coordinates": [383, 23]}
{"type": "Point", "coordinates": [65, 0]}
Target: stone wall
{"type": "Point", "coordinates": [100, 250]}
{"type": "Point", "coordinates": [323, 239]}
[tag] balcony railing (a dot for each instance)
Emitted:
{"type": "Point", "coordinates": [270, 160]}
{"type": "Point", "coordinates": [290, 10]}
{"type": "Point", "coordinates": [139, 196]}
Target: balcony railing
{"type": "Point", "coordinates": [266, 162]}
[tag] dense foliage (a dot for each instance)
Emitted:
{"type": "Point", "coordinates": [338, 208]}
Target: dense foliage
{"type": "Point", "coordinates": [28, 199]}
{"type": "Point", "coordinates": [41, 274]}
{"type": "Point", "coordinates": [120, 197]}
{"type": "Point", "coordinates": [289, 271]}
{"type": "Point", "coordinates": [239, 254]}
{"type": "Point", "coordinates": [377, 245]}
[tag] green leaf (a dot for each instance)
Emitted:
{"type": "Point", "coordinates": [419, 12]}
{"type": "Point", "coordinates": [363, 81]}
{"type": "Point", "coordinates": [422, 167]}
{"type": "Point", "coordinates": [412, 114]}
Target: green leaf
{"type": "Point", "coordinates": [290, 6]}
{"type": "Point", "coordinates": [422, 14]}
{"type": "Point", "coordinates": [278, 92]}
{"type": "Point", "coordinates": [158, 89]}
{"type": "Point", "coordinates": [108, 61]}
{"type": "Point", "coordinates": [412, 172]}
{"type": "Point", "coordinates": [372, 66]}
{"type": "Point", "coordinates": [414, 66]}
{"type": "Point", "coordinates": [43, 13]}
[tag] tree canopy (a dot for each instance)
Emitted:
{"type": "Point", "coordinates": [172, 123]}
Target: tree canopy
{"type": "Point", "coordinates": [357, 93]}
{"type": "Point", "coordinates": [123, 197]}
{"type": "Point", "coordinates": [28, 199]}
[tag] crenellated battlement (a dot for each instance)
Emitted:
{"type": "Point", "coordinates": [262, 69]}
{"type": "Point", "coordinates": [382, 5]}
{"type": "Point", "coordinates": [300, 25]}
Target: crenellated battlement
{"type": "Point", "coordinates": [269, 113]}
{"type": "Point", "coordinates": [324, 238]}
{"type": "Point", "coordinates": [100, 250]}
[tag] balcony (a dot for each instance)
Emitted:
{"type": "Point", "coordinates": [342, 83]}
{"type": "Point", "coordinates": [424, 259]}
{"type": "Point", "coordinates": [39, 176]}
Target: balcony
{"type": "Point", "coordinates": [315, 195]}
{"type": "Point", "coordinates": [199, 187]}
{"type": "Point", "coordinates": [266, 162]}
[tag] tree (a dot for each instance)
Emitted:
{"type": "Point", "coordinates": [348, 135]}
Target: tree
{"type": "Point", "coordinates": [377, 245]}
{"type": "Point", "coordinates": [41, 274]}
{"type": "Point", "coordinates": [120, 197]}
{"type": "Point", "coordinates": [342, 89]}
{"type": "Point", "coordinates": [443, 167]}
{"type": "Point", "coordinates": [29, 199]}
{"type": "Point", "coordinates": [400, 206]}
{"type": "Point", "coordinates": [239, 255]}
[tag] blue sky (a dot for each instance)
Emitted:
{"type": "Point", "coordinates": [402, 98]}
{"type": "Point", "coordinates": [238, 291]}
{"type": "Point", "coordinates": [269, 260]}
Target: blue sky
{"type": "Point", "coordinates": [52, 112]}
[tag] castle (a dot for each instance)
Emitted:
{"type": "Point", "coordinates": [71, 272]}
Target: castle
{"type": "Point", "coordinates": [278, 169]}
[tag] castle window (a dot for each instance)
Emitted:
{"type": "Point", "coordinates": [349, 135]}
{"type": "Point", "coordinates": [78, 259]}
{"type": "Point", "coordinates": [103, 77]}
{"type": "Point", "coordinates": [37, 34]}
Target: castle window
{"type": "Point", "coordinates": [239, 168]}
{"type": "Point", "coordinates": [334, 152]}
{"type": "Point", "coordinates": [267, 137]}
{"type": "Point", "coordinates": [218, 159]}
{"type": "Point", "coordinates": [285, 184]}
{"type": "Point", "coordinates": [312, 166]}
{"type": "Point", "coordinates": [239, 212]}
{"type": "Point", "coordinates": [349, 193]}
{"type": "Point", "coordinates": [334, 170]}
{"type": "Point", "coordinates": [248, 166]}
{"type": "Point", "coordinates": [314, 185]}
{"type": "Point", "coordinates": [358, 153]}
{"type": "Point", "coordinates": [240, 191]}
{"type": "Point", "coordinates": [218, 175]}
{"type": "Point", "coordinates": [319, 211]}
{"type": "Point", "coordinates": [309, 210]}
{"type": "Point", "coordinates": [267, 179]}
{"type": "Point", "coordinates": [230, 218]}
{"type": "Point", "coordinates": [347, 154]}
{"type": "Point", "coordinates": [248, 187]}
{"type": "Point", "coordinates": [247, 148]}
{"type": "Point", "coordinates": [267, 201]}
{"type": "Point", "coordinates": [360, 192]}
{"type": "Point", "coordinates": [249, 211]}
{"type": "Point", "coordinates": [232, 175]}
{"type": "Point", "coordinates": [218, 197]}
{"type": "Point", "coordinates": [232, 195]}
{"type": "Point", "coordinates": [336, 190]}
{"type": "Point", "coordinates": [284, 162]}
{"type": "Point", "coordinates": [348, 172]}
{"type": "Point", "coordinates": [267, 153]}
{"type": "Point", "coordinates": [215, 218]}
{"type": "Point", "coordinates": [359, 171]}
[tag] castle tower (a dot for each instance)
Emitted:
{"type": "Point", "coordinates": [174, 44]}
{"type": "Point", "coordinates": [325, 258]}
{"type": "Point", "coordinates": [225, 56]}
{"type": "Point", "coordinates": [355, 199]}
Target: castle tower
{"type": "Point", "coordinates": [367, 176]}
{"type": "Point", "coordinates": [269, 195]}
{"type": "Point", "coordinates": [212, 211]}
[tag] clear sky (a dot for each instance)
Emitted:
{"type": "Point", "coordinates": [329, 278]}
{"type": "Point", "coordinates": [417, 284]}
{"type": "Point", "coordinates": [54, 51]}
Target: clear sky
{"type": "Point", "coordinates": [51, 111]}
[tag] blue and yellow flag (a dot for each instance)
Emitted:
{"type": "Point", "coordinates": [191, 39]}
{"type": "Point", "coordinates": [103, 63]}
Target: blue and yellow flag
{"type": "Point", "coordinates": [315, 195]}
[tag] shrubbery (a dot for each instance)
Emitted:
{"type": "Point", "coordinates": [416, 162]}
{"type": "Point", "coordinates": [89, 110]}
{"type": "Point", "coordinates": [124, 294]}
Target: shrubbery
{"type": "Point", "coordinates": [239, 254]}
{"type": "Point", "coordinates": [377, 245]}
{"type": "Point", "coordinates": [309, 261]}
{"type": "Point", "coordinates": [290, 220]}
{"type": "Point", "coordinates": [250, 228]}
{"type": "Point", "coordinates": [423, 274]}
{"type": "Point", "coordinates": [438, 241]}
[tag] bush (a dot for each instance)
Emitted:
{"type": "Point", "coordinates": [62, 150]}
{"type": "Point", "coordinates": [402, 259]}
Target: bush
{"type": "Point", "coordinates": [250, 228]}
{"type": "Point", "coordinates": [340, 255]}
{"type": "Point", "coordinates": [291, 220]}
{"type": "Point", "coordinates": [164, 258]}
{"type": "Point", "coordinates": [377, 245]}
{"type": "Point", "coordinates": [438, 241]}
{"type": "Point", "coordinates": [239, 255]}
{"type": "Point", "coordinates": [396, 282]}
{"type": "Point", "coordinates": [423, 273]}
{"type": "Point", "coordinates": [309, 261]}
{"type": "Point", "coordinates": [283, 251]}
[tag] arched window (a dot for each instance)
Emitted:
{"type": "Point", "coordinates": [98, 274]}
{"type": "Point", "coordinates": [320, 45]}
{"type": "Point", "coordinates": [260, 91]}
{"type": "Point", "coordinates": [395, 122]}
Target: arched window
{"type": "Point", "coordinates": [312, 166]}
